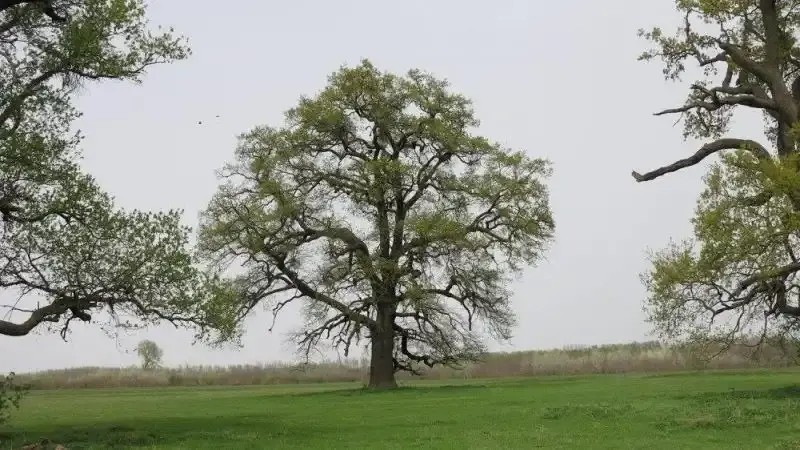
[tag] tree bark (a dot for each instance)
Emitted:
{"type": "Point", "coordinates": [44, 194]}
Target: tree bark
{"type": "Point", "coordinates": [381, 368]}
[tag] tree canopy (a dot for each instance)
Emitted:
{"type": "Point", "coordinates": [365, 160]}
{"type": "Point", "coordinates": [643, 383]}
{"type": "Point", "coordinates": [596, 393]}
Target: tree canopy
{"type": "Point", "coordinates": [737, 276]}
{"type": "Point", "coordinates": [65, 248]}
{"type": "Point", "coordinates": [379, 209]}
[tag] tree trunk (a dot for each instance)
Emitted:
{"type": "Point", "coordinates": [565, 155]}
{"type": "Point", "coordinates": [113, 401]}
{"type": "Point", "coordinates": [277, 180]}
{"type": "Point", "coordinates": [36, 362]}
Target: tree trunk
{"type": "Point", "coordinates": [381, 367]}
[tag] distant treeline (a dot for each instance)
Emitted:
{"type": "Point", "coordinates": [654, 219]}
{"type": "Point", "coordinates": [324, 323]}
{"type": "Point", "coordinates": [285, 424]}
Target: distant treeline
{"type": "Point", "coordinates": [618, 358]}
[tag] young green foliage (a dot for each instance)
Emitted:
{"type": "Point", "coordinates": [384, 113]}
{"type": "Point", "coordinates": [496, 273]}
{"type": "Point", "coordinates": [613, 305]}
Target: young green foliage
{"type": "Point", "coordinates": [65, 249]}
{"type": "Point", "coordinates": [379, 209]}
{"type": "Point", "coordinates": [737, 277]}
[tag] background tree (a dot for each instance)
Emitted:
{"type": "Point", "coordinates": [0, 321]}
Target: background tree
{"type": "Point", "coordinates": [65, 249]}
{"type": "Point", "coordinates": [738, 275]}
{"type": "Point", "coordinates": [377, 206]}
{"type": "Point", "coordinates": [150, 354]}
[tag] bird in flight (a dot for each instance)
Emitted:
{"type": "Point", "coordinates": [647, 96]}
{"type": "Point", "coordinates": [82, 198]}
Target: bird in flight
{"type": "Point", "coordinates": [200, 122]}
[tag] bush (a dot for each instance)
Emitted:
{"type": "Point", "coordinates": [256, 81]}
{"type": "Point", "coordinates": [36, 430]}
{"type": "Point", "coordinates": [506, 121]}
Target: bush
{"type": "Point", "coordinates": [10, 395]}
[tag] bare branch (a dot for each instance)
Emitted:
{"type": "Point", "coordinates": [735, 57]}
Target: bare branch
{"type": "Point", "coordinates": [709, 149]}
{"type": "Point", "coordinates": [712, 101]}
{"type": "Point", "coordinates": [314, 294]}
{"type": "Point", "coordinates": [49, 313]}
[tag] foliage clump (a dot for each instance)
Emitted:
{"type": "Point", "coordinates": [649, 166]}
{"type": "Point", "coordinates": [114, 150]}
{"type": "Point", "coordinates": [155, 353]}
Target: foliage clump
{"type": "Point", "coordinates": [10, 396]}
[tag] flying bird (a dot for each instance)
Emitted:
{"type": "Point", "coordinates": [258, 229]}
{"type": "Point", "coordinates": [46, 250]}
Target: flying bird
{"type": "Point", "coordinates": [200, 122]}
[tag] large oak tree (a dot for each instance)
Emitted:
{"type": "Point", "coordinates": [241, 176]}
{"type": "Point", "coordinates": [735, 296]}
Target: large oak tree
{"type": "Point", "coordinates": [66, 250]}
{"type": "Point", "coordinates": [378, 207]}
{"type": "Point", "coordinates": [738, 276]}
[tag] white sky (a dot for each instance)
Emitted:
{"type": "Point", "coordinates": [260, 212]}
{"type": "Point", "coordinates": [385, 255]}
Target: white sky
{"type": "Point", "coordinates": [559, 79]}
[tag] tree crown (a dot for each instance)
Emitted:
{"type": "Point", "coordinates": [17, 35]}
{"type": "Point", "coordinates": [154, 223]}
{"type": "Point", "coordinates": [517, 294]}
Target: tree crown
{"type": "Point", "coordinates": [737, 275]}
{"type": "Point", "coordinates": [150, 354]}
{"type": "Point", "coordinates": [377, 192]}
{"type": "Point", "coordinates": [65, 247]}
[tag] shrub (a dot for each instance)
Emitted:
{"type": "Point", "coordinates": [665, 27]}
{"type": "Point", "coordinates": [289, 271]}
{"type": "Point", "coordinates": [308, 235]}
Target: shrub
{"type": "Point", "coordinates": [10, 395]}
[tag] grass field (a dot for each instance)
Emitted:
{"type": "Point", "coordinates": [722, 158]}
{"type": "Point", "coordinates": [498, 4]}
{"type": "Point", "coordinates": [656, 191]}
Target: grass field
{"type": "Point", "coordinates": [742, 409]}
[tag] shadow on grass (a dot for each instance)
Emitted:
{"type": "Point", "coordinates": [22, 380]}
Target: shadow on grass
{"type": "Point", "coordinates": [599, 411]}
{"type": "Point", "coordinates": [231, 429]}
{"type": "Point", "coordinates": [732, 410]}
{"type": "Point", "coordinates": [401, 390]}
{"type": "Point", "coordinates": [228, 431]}
{"type": "Point", "coordinates": [791, 391]}
{"type": "Point", "coordinates": [716, 373]}
{"type": "Point", "coordinates": [445, 387]}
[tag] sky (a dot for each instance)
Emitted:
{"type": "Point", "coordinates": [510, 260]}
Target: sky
{"type": "Point", "coordinates": [557, 79]}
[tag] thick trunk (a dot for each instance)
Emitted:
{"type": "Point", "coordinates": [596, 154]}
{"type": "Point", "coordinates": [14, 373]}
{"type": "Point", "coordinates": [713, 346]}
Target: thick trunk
{"type": "Point", "coordinates": [381, 368]}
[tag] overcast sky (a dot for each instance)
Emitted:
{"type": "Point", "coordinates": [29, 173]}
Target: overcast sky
{"type": "Point", "coordinates": [557, 79]}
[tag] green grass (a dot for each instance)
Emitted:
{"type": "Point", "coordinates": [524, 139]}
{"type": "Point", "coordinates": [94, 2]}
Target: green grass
{"type": "Point", "coordinates": [754, 409]}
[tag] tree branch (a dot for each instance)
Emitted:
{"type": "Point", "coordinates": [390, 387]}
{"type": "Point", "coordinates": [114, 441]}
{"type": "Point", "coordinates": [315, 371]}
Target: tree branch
{"type": "Point", "coordinates": [772, 39]}
{"type": "Point", "coordinates": [406, 338]}
{"type": "Point", "coordinates": [711, 100]}
{"type": "Point", "coordinates": [45, 5]}
{"type": "Point", "coordinates": [314, 294]}
{"type": "Point", "coordinates": [49, 313]}
{"type": "Point", "coordinates": [777, 273]}
{"type": "Point", "coordinates": [30, 89]}
{"type": "Point", "coordinates": [712, 147]}
{"type": "Point", "coordinates": [345, 235]}
{"type": "Point", "coordinates": [741, 59]}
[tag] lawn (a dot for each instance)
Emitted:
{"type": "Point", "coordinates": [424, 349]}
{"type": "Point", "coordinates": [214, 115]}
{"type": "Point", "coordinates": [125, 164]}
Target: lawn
{"type": "Point", "coordinates": [756, 409]}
